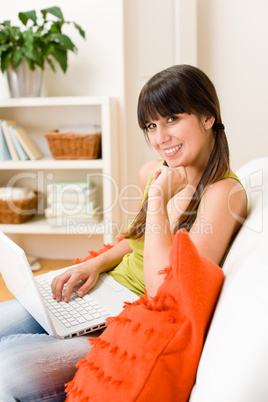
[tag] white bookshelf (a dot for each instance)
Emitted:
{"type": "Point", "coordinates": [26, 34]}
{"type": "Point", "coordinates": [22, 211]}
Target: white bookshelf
{"type": "Point", "coordinates": [47, 163]}
{"type": "Point", "coordinates": [37, 116]}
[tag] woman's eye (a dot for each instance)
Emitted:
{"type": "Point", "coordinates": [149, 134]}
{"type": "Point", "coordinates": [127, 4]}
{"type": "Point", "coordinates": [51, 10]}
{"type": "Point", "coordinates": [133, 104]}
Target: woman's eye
{"type": "Point", "coordinates": [171, 119]}
{"type": "Point", "coordinates": [151, 126]}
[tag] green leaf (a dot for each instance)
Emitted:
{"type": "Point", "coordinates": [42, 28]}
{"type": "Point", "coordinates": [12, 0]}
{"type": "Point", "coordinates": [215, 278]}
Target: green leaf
{"type": "Point", "coordinates": [56, 11]}
{"type": "Point", "coordinates": [63, 40]}
{"type": "Point", "coordinates": [28, 15]}
{"type": "Point", "coordinates": [50, 62]}
{"type": "Point", "coordinates": [56, 27]}
{"type": "Point", "coordinates": [6, 23]}
{"type": "Point", "coordinates": [81, 31]}
{"type": "Point", "coordinates": [3, 37]}
{"type": "Point", "coordinates": [34, 55]}
{"type": "Point", "coordinates": [42, 41]}
{"type": "Point", "coordinates": [5, 58]}
{"type": "Point", "coordinates": [60, 55]}
{"type": "Point", "coordinates": [17, 58]}
{"type": "Point", "coordinates": [31, 64]}
{"type": "Point", "coordinates": [4, 48]}
{"type": "Point", "coordinates": [28, 37]}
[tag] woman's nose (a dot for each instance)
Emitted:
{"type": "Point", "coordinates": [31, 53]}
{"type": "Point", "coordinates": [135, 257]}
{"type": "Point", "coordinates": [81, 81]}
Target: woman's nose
{"type": "Point", "coordinates": [162, 135]}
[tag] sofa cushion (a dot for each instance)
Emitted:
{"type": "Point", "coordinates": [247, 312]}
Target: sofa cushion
{"type": "Point", "coordinates": [234, 362]}
{"type": "Point", "coordinates": [151, 350]}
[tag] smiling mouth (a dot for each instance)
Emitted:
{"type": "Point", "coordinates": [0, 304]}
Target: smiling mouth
{"type": "Point", "coordinates": [172, 151]}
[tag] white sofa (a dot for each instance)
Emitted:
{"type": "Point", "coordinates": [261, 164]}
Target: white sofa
{"type": "Point", "coordinates": [234, 361]}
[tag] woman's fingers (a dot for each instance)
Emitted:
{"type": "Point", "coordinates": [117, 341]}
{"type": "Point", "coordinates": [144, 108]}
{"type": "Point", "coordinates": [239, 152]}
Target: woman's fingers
{"type": "Point", "coordinates": [70, 278]}
{"type": "Point", "coordinates": [89, 283]}
{"type": "Point", "coordinates": [168, 181]}
{"type": "Point", "coordinates": [58, 283]}
{"type": "Point", "coordinates": [72, 281]}
{"type": "Point", "coordinates": [157, 173]}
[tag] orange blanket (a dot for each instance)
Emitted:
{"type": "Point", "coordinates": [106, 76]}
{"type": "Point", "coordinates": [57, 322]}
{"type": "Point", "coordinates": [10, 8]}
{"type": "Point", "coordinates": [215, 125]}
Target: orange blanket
{"type": "Point", "coordinates": [152, 349]}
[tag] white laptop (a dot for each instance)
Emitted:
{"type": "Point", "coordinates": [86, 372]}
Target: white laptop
{"type": "Point", "coordinates": [63, 320]}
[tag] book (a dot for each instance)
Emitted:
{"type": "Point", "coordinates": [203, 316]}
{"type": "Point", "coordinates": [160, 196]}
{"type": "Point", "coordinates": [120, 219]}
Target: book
{"type": "Point", "coordinates": [71, 197]}
{"type": "Point", "coordinates": [23, 156]}
{"type": "Point", "coordinates": [4, 151]}
{"type": "Point", "coordinates": [76, 207]}
{"type": "Point", "coordinates": [71, 187]}
{"type": "Point", "coordinates": [27, 143]}
{"type": "Point", "coordinates": [82, 212]}
{"type": "Point", "coordinates": [72, 220]}
{"type": "Point", "coordinates": [10, 144]}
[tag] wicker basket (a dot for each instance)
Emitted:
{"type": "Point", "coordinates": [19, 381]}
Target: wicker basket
{"type": "Point", "coordinates": [17, 211]}
{"type": "Point", "coordinates": [74, 145]}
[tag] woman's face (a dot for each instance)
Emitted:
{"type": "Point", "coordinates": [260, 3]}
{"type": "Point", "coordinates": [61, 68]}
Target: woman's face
{"type": "Point", "coordinates": [182, 139]}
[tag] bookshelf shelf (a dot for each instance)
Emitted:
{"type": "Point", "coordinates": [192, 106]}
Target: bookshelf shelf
{"type": "Point", "coordinates": [54, 101]}
{"type": "Point", "coordinates": [48, 163]}
{"type": "Point", "coordinates": [39, 225]}
{"type": "Point", "coordinates": [37, 116]}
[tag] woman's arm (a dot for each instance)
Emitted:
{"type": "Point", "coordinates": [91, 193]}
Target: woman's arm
{"type": "Point", "coordinates": [167, 182]}
{"type": "Point", "coordinates": [88, 272]}
{"type": "Point", "coordinates": [220, 215]}
{"type": "Point", "coordinates": [144, 174]}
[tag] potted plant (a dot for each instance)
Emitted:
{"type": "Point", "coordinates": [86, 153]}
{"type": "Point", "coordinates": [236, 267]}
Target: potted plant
{"type": "Point", "coordinates": [38, 42]}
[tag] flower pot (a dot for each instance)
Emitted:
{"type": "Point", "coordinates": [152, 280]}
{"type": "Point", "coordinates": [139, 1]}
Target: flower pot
{"type": "Point", "coordinates": [24, 82]}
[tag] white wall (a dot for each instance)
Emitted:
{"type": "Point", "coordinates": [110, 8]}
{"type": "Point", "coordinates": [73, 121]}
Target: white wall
{"type": "Point", "coordinates": [233, 50]}
{"type": "Point", "coordinates": [128, 40]}
{"type": "Point", "coordinates": [97, 67]}
{"type": "Point", "coordinates": [154, 39]}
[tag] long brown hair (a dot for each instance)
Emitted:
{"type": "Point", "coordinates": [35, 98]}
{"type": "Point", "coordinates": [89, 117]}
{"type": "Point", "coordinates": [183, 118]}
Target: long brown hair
{"type": "Point", "coordinates": [183, 89]}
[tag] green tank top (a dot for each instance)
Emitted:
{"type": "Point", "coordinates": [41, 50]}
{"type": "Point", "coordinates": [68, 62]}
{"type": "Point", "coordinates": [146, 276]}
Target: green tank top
{"type": "Point", "coordinates": [129, 272]}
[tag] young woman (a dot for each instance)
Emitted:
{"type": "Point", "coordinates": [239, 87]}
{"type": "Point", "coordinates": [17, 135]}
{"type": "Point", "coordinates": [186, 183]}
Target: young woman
{"type": "Point", "coordinates": [191, 186]}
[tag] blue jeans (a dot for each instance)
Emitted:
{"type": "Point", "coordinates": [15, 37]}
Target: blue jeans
{"type": "Point", "coordinates": [34, 366]}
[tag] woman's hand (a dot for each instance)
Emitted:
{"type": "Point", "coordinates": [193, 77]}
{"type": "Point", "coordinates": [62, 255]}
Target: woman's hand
{"type": "Point", "coordinates": [86, 272]}
{"type": "Point", "coordinates": [167, 182]}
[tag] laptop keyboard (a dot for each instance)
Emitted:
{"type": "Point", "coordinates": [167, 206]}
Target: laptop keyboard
{"type": "Point", "coordinates": [77, 311]}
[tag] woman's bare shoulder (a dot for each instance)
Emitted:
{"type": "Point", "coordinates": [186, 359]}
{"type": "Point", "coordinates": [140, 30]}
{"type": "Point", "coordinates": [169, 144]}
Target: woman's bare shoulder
{"type": "Point", "coordinates": [221, 213]}
{"type": "Point", "coordinates": [225, 202]}
{"type": "Point", "coordinates": [146, 169]}
{"type": "Point", "coordinates": [230, 190]}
